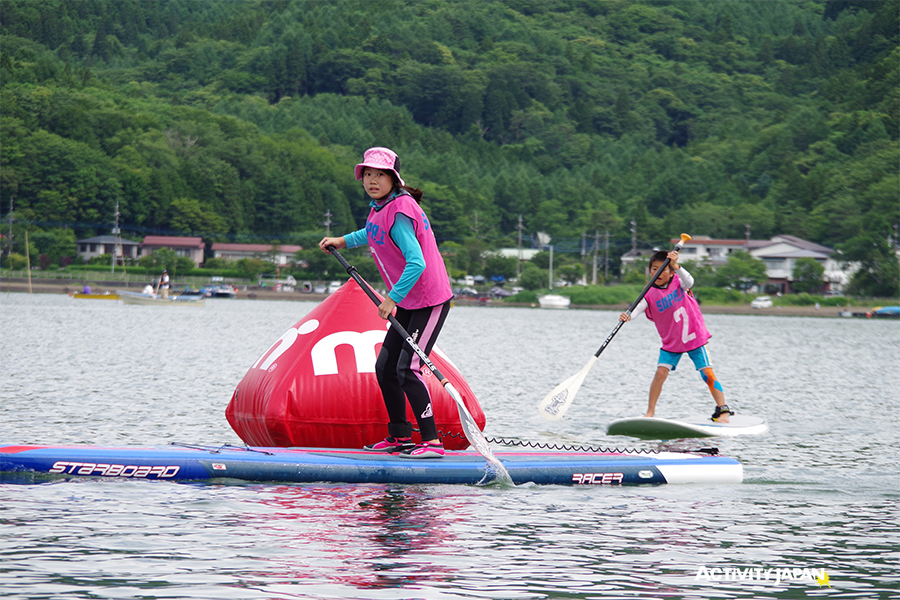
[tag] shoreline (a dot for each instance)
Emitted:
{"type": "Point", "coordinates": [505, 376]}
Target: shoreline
{"type": "Point", "coordinates": [69, 286]}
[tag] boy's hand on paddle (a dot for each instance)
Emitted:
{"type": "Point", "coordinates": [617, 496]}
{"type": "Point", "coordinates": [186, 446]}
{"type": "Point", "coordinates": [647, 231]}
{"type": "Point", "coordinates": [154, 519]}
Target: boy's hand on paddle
{"type": "Point", "coordinates": [673, 257]}
{"type": "Point", "coordinates": [624, 317]}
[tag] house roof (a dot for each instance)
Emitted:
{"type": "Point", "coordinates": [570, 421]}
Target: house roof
{"type": "Point", "coordinates": [703, 240]}
{"type": "Point", "coordinates": [172, 240]}
{"type": "Point", "coordinates": [796, 254]}
{"type": "Point", "coordinates": [790, 240]}
{"type": "Point", "coordinates": [640, 252]}
{"type": "Point", "coordinates": [225, 247]}
{"type": "Point", "coordinates": [106, 239]}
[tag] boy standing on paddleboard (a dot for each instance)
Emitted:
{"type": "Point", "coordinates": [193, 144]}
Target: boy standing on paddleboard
{"type": "Point", "coordinates": [672, 307]}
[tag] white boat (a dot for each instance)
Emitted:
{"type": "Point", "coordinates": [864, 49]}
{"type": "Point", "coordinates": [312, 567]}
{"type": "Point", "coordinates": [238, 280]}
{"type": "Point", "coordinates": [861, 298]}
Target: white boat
{"type": "Point", "coordinates": [139, 298]}
{"type": "Point", "coordinates": [554, 301]}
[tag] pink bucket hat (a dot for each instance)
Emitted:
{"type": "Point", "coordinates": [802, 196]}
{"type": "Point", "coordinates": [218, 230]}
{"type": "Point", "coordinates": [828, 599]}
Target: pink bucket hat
{"type": "Point", "coordinates": [384, 159]}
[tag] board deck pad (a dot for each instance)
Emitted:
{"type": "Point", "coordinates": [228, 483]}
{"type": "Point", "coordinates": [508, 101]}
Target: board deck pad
{"type": "Point", "coordinates": [302, 465]}
{"type": "Point", "coordinates": [695, 426]}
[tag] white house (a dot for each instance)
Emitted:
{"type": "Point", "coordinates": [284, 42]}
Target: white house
{"type": "Point", "coordinates": [283, 256]}
{"type": "Point", "coordinates": [525, 254]}
{"type": "Point", "coordinates": [701, 248]}
{"type": "Point", "coordinates": [780, 254]}
{"type": "Point", "coordinates": [89, 248]}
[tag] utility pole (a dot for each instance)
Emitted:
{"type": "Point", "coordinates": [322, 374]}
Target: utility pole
{"type": "Point", "coordinates": [9, 245]}
{"type": "Point", "coordinates": [606, 265]}
{"type": "Point", "coordinates": [115, 231]}
{"type": "Point", "coordinates": [633, 235]}
{"type": "Point", "coordinates": [328, 222]}
{"type": "Point", "coordinates": [519, 261]}
{"type": "Point", "coordinates": [596, 247]}
{"type": "Point", "coordinates": [747, 235]}
{"type": "Point", "coordinates": [583, 253]}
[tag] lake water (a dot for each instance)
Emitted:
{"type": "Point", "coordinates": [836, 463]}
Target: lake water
{"type": "Point", "coordinates": [820, 490]}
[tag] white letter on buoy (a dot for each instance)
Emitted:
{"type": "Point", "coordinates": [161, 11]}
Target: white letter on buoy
{"type": "Point", "coordinates": [324, 358]}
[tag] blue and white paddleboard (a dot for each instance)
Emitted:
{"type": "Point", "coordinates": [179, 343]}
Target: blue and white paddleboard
{"type": "Point", "coordinates": [18, 463]}
{"type": "Point", "coordinates": [697, 426]}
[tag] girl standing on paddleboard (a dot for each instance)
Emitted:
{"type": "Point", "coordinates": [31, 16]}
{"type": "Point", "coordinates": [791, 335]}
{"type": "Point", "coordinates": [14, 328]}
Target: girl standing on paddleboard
{"type": "Point", "coordinates": [402, 242]}
{"type": "Point", "coordinates": [672, 307]}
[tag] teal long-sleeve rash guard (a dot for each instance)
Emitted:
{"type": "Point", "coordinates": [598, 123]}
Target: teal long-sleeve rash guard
{"type": "Point", "coordinates": [403, 234]}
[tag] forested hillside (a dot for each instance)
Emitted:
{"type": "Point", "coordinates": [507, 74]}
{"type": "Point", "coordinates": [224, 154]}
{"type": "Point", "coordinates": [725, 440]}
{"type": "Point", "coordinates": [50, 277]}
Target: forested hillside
{"type": "Point", "coordinates": [241, 120]}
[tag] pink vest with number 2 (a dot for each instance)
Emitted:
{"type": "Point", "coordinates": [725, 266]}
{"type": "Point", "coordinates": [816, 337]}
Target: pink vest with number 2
{"type": "Point", "coordinates": [677, 317]}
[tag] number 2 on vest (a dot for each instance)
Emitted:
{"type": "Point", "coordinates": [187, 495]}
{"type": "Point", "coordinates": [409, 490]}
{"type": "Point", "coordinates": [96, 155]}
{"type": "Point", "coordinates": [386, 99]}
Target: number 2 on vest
{"type": "Point", "coordinates": [681, 316]}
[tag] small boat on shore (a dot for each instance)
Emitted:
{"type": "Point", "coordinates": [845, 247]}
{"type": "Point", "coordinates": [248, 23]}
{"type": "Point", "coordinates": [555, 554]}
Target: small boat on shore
{"type": "Point", "coordinates": [220, 291]}
{"type": "Point", "coordinates": [150, 299]}
{"type": "Point", "coordinates": [554, 301]}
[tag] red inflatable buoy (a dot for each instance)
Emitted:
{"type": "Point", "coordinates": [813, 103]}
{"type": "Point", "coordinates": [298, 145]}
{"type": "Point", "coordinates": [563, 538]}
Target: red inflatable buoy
{"type": "Point", "coordinates": [316, 385]}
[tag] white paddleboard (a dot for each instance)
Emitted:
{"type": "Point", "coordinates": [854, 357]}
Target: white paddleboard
{"type": "Point", "coordinates": [697, 426]}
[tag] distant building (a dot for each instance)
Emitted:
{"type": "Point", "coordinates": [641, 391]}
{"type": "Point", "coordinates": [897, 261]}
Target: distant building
{"type": "Point", "coordinates": [283, 256]}
{"type": "Point", "coordinates": [703, 248]}
{"type": "Point", "coordinates": [526, 253]}
{"type": "Point", "coordinates": [89, 248]}
{"type": "Point", "coordinates": [779, 254]}
{"type": "Point", "coordinates": [630, 258]}
{"type": "Point", "coordinates": [190, 247]}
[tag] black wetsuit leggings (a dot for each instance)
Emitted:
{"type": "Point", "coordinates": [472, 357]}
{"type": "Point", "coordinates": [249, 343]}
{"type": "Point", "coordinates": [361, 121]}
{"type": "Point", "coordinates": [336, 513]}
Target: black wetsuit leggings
{"type": "Point", "coordinates": [399, 370]}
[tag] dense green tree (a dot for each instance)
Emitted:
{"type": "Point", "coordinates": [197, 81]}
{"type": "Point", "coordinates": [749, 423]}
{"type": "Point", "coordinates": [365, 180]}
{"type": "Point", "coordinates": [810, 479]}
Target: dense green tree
{"type": "Point", "coordinates": [879, 272]}
{"type": "Point", "coordinates": [243, 120]}
{"type": "Point", "coordinates": [533, 277]}
{"type": "Point", "coordinates": [500, 266]}
{"type": "Point", "coordinates": [807, 275]}
{"type": "Point", "coordinates": [252, 268]}
{"type": "Point", "coordinates": [742, 271]}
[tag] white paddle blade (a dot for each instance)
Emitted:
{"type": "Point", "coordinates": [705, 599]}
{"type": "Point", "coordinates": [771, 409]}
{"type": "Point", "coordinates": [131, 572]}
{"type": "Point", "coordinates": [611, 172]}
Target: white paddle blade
{"type": "Point", "coordinates": [475, 437]}
{"type": "Point", "coordinates": [557, 402]}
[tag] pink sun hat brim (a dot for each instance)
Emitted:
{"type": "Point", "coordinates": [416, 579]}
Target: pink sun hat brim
{"type": "Point", "coordinates": [384, 159]}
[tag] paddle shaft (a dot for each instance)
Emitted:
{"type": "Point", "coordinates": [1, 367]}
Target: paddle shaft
{"type": "Point", "coordinates": [684, 237]}
{"type": "Point", "coordinates": [470, 428]}
{"type": "Point", "coordinates": [351, 270]}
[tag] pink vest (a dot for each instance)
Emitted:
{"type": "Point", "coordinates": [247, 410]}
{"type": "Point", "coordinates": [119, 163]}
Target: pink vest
{"type": "Point", "coordinates": [677, 317]}
{"type": "Point", "coordinates": [433, 287]}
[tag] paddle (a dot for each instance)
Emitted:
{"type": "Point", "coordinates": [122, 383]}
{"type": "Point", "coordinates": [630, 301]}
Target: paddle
{"type": "Point", "coordinates": [470, 428]}
{"type": "Point", "coordinates": [557, 402]}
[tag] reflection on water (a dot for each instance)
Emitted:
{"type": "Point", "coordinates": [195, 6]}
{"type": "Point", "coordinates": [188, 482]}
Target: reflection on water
{"type": "Point", "coordinates": [820, 490]}
{"type": "Point", "coordinates": [365, 537]}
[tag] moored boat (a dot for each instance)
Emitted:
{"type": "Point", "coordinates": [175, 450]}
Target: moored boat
{"type": "Point", "coordinates": [554, 301]}
{"type": "Point", "coordinates": [220, 291]}
{"type": "Point", "coordinates": [149, 299]}
{"type": "Point", "coordinates": [95, 296]}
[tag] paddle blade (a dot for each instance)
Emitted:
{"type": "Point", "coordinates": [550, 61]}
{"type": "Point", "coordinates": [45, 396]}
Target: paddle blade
{"type": "Point", "coordinates": [475, 437]}
{"type": "Point", "coordinates": [557, 402]}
